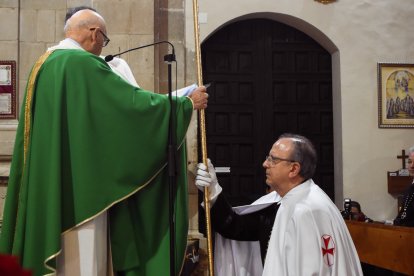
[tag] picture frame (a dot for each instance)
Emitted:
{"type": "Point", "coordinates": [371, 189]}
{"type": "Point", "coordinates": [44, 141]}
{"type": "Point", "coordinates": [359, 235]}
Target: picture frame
{"type": "Point", "coordinates": [395, 95]}
{"type": "Point", "coordinates": [8, 89]}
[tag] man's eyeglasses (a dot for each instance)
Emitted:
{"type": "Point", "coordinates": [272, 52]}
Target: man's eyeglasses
{"type": "Point", "coordinates": [273, 160]}
{"type": "Point", "coordinates": [105, 38]}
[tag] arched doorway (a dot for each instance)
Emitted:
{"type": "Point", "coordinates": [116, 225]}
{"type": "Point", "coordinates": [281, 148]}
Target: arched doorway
{"type": "Point", "coordinates": [267, 78]}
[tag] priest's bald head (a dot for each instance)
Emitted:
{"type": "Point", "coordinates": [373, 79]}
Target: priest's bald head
{"type": "Point", "coordinates": [72, 11]}
{"type": "Point", "coordinates": [87, 28]}
{"type": "Point", "coordinates": [291, 161]}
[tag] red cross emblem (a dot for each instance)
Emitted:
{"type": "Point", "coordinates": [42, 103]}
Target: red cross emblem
{"type": "Point", "coordinates": [328, 249]}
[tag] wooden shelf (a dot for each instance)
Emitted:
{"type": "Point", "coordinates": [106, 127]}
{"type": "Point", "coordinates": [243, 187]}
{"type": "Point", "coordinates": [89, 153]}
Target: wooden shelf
{"type": "Point", "coordinates": [397, 184]}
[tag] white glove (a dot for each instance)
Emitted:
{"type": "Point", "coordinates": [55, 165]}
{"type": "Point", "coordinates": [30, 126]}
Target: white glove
{"type": "Point", "coordinates": [208, 179]}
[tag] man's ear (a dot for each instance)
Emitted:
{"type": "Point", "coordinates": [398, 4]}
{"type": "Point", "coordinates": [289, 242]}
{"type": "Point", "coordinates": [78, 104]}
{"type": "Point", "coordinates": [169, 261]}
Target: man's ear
{"type": "Point", "coordinates": [94, 35]}
{"type": "Point", "coordinates": [294, 169]}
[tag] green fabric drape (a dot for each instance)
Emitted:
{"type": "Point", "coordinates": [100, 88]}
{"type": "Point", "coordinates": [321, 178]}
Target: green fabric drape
{"type": "Point", "coordinates": [95, 143]}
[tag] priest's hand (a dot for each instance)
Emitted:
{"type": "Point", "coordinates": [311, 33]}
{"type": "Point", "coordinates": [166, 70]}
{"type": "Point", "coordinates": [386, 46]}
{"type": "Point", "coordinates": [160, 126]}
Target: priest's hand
{"type": "Point", "coordinates": [199, 97]}
{"type": "Point", "coordinates": [208, 179]}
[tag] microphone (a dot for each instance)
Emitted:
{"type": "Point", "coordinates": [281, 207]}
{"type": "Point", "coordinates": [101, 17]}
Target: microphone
{"type": "Point", "coordinates": [108, 58]}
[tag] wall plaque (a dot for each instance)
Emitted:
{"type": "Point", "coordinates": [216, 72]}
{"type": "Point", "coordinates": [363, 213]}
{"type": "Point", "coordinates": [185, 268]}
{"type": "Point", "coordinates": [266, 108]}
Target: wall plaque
{"type": "Point", "coordinates": [8, 88]}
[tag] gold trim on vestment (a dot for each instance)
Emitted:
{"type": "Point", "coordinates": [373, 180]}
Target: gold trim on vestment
{"type": "Point", "coordinates": [28, 103]}
{"type": "Point", "coordinates": [27, 118]}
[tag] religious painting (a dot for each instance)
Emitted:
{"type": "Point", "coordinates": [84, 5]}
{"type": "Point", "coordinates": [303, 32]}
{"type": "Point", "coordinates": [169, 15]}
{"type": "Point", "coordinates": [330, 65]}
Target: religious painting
{"type": "Point", "coordinates": [8, 104]}
{"type": "Point", "coordinates": [395, 95]}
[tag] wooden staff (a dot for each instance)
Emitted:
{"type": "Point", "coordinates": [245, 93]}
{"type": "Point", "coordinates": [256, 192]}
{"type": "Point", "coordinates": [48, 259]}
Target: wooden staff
{"type": "Point", "coordinates": [202, 124]}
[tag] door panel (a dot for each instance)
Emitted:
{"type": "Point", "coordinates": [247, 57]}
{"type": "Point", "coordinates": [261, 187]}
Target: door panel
{"type": "Point", "coordinates": [267, 79]}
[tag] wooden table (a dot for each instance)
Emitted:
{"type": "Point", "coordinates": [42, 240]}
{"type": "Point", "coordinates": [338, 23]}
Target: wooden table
{"type": "Point", "coordinates": [385, 246]}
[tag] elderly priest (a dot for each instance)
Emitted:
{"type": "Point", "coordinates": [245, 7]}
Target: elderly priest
{"type": "Point", "coordinates": [89, 164]}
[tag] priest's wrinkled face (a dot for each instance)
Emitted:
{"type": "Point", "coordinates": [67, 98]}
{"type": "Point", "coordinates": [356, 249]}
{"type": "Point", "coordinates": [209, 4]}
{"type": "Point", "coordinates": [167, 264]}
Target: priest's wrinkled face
{"type": "Point", "coordinates": [280, 167]}
{"type": "Point", "coordinates": [410, 163]}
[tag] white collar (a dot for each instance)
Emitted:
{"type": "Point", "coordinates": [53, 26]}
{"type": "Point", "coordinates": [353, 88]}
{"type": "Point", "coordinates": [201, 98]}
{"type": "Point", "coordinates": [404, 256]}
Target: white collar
{"type": "Point", "coordinates": [268, 198]}
{"type": "Point", "coordinates": [297, 190]}
{"type": "Point", "coordinates": [67, 43]}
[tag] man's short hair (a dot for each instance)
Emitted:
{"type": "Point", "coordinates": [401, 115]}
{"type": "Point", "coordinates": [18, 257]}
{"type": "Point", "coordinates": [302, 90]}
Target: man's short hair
{"type": "Point", "coordinates": [74, 10]}
{"type": "Point", "coordinates": [304, 153]}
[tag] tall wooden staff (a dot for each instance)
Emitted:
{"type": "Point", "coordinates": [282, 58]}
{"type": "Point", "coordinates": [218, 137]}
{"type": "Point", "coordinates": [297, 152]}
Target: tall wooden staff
{"type": "Point", "coordinates": [202, 123]}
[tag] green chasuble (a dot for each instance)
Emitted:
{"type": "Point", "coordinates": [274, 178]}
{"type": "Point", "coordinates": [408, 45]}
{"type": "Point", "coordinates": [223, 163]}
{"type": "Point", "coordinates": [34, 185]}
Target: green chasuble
{"type": "Point", "coordinates": [89, 142]}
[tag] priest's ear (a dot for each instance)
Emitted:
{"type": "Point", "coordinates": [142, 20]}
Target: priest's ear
{"type": "Point", "coordinates": [94, 34]}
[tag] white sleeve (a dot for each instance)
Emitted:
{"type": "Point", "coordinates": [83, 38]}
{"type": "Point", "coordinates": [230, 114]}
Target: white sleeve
{"type": "Point", "coordinates": [121, 68]}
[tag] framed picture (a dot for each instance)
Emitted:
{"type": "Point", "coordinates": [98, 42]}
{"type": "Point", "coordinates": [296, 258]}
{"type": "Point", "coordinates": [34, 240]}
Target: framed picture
{"type": "Point", "coordinates": [395, 95]}
{"type": "Point", "coordinates": [8, 104]}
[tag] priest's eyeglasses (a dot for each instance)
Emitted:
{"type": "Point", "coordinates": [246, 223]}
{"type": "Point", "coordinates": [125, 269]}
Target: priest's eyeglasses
{"type": "Point", "coordinates": [273, 160]}
{"type": "Point", "coordinates": [105, 38]}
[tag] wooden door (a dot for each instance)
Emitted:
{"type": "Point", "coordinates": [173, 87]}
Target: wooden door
{"type": "Point", "coordinates": [267, 79]}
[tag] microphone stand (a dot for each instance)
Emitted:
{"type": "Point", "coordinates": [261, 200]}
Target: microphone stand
{"type": "Point", "coordinates": [172, 164]}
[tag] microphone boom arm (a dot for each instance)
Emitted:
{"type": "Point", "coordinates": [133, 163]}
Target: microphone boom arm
{"type": "Point", "coordinates": [108, 58]}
